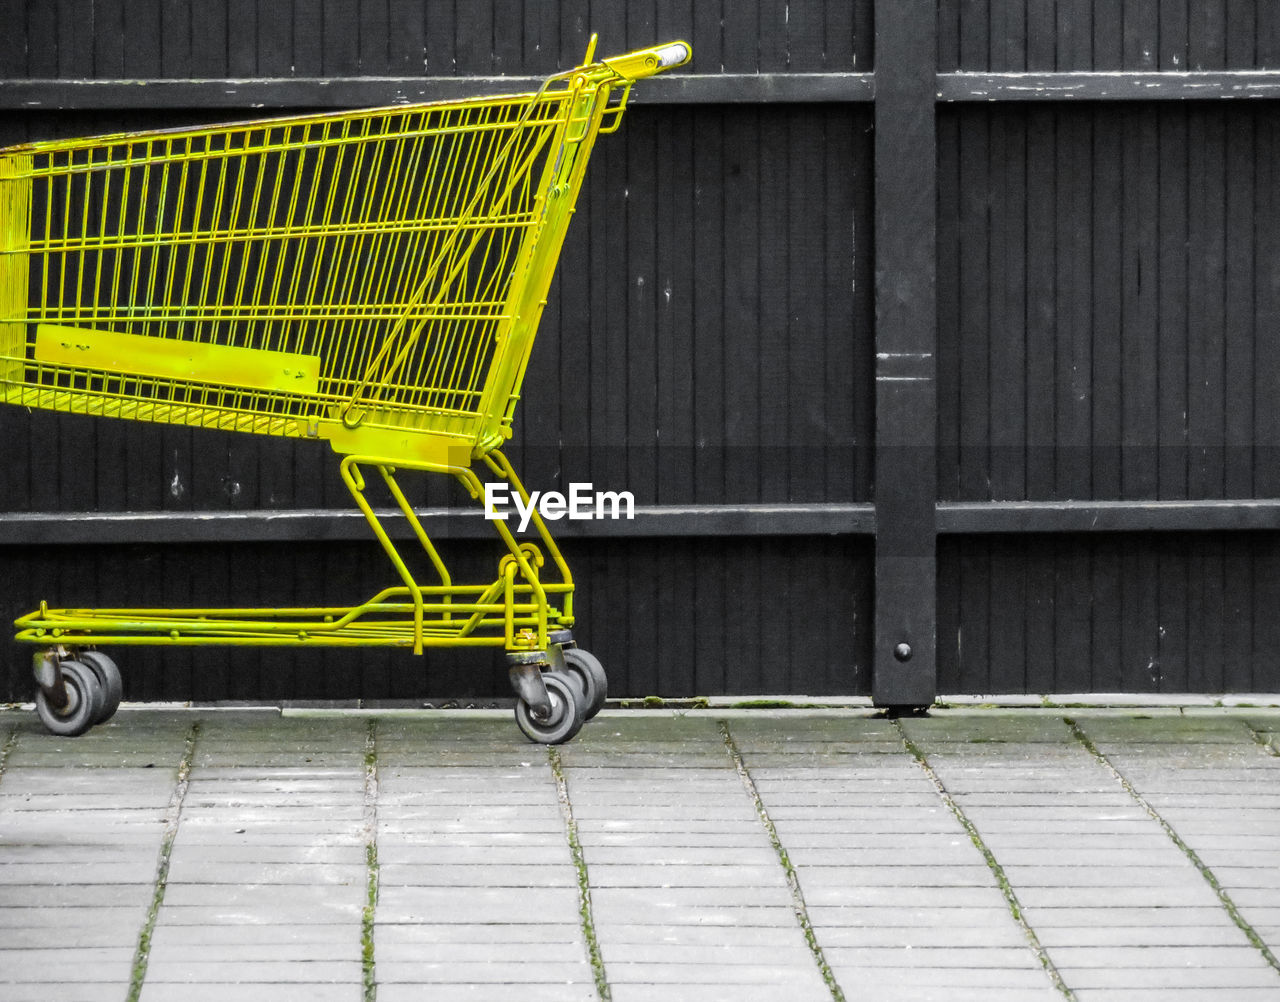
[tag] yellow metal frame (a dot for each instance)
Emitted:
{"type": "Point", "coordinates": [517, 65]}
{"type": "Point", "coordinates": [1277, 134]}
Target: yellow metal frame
{"type": "Point", "coordinates": [372, 278]}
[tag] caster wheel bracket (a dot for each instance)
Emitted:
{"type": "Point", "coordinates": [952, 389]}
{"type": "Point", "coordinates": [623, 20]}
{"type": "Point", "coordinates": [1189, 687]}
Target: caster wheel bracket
{"type": "Point", "coordinates": [527, 682]}
{"type": "Point", "coordinates": [47, 668]}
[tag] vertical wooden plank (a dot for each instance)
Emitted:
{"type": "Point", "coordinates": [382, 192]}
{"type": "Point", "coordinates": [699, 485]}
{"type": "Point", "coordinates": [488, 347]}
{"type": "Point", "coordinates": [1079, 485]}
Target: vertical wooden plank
{"type": "Point", "coordinates": [708, 36]}
{"type": "Point", "coordinates": [744, 270]}
{"type": "Point", "coordinates": [541, 38]}
{"type": "Point", "coordinates": [1205, 289]}
{"type": "Point", "coordinates": [473, 45]}
{"type": "Point", "coordinates": [1008, 372]}
{"type": "Point", "coordinates": [574, 29]}
{"type": "Point", "coordinates": [1042, 322]}
{"type": "Point", "coordinates": [950, 19]}
{"type": "Point", "coordinates": [1073, 613]}
{"type": "Point", "coordinates": [508, 39]}
{"type": "Point", "coordinates": [643, 219]}
{"type": "Point", "coordinates": [406, 38]}
{"type": "Point", "coordinates": [673, 335]}
{"type": "Point", "coordinates": [75, 41]}
{"type": "Point", "coordinates": [952, 134]}
{"type": "Point", "coordinates": [862, 42]}
{"type": "Point", "coordinates": [108, 39]}
{"type": "Point", "coordinates": [175, 40]}
{"type": "Point", "coordinates": [1073, 404]}
{"type": "Point", "coordinates": [1107, 307]}
{"type": "Point", "coordinates": [1140, 403]}
{"type": "Point", "coordinates": [976, 277]}
{"type": "Point", "coordinates": [210, 36]}
{"type": "Point", "coordinates": [374, 38]}
{"type": "Point", "coordinates": [1042, 40]}
{"type": "Point", "coordinates": [975, 36]}
{"type": "Point", "coordinates": [806, 35]}
{"type": "Point", "coordinates": [906, 353]}
{"type": "Point", "coordinates": [41, 31]}
{"type": "Point", "coordinates": [772, 28]}
{"type": "Point", "coordinates": [951, 628]}
{"type": "Point", "coordinates": [1107, 654]}
{"type": "Point", "coordinates": [13, 40]}
{"type": "Point", "coordinates": [1266, 235]}
{"type": "Point", "coordinates": [1074, 34]}
{"type": "Point", "coordinates": [785, 342]}
{"type": "Point", "coordinates": [1108, 36]}
{"type": "Point", "coordinates": [440, 39]}
{"type": "Point", "coordinates": [1243, 663]}
{"type": "Point", "coordinates": [1141, 669]}
{"type": "Point", "coordinates": [1173, 35]}
{"type": "Point", "coordinates": [1007, 645]}
{"type": "Point", "coordinates": [709, 251]}
{"type": "Point", "coordinates": [609, 18]}
{"type": "Point", "coordinates": [1239, 359]}
{"type": "Point", "coordinates": [1171, 332]}
{"type": "Point", "coordinates": [275, 39]}
{"type": "Point", "coordinates": [851, 294]}
{"type": "Point", "coordinates": [1009, 37]}
{"type": "Point", "coordinates": [1040, 614]}
{"type": "Point", "coordinates": [1141, 36]}
{"type": "Point", "coordinates": [1267, 56]}
{"type": "Point", "coordinates": [1207, 35]}
{"type": "Point", "coordinates": [308, 39]}
{"type": "Point", "coordinates": [741, 36]}
{"type": "Point", "coordinates": [340, 47]}
{"type": "Point", "coordinates": [242, 38]}
{"type": "Point", "coordinates": [1243, 39]}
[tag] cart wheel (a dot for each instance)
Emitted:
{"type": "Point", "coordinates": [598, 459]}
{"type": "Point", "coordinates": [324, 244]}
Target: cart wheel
{"type": "Point", "coordinates": [84, 702]}
{"type": "Point", "coordinates": [589, 672]}
{"type": "Point", "coordinates": [566, 717]}
{"type": "Point", "coordinates": [109, 679]}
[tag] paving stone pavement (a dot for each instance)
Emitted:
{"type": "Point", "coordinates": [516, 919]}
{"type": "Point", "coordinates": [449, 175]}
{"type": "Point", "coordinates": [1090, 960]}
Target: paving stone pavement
{"type": "Point", "coordinates": [1116, 854]}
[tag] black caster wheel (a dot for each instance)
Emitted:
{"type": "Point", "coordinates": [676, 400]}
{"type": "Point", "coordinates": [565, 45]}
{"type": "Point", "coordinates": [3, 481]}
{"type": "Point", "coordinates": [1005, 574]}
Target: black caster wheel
{"type": "Point", "coordinates": [586, 668]}
{"type": "Point", "coordinates": [84, 702]}
{"type": "Point", "coordinates": [109, 679]}
{"type": "Point", "coordinates": [566, 716]}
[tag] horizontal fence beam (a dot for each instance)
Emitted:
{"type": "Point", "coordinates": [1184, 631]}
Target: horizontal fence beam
{"type": "Point", "coordinates": [350, 92]}
{"type": "Point", "coordinates": [1118, 86]}
{"type": "Point", "coordinates": [708, 88]}
{"type": "Point", "coordinates": [651, 521]}
{"type": "Point", "coordinates": [963, 517]}
{"type": "Point", "coordinates": [322, 525]}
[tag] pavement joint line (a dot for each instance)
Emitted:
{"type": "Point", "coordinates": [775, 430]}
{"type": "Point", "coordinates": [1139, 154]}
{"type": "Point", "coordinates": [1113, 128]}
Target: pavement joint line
{"type": "Point", "coordinates": [1252, 934]}
{"type": "Point", "coordinates": [369, 912]}
{"type": "Point", "coordinates": [585, 915]}
{"type": "Point", "coordinates": [793, 879]}
{"type": "Point", "coordinates": [993, 864]}
{"type": "Point", "coordinates": [1263, 742]}
{"type": "Point", "coordinates": [173, 817]}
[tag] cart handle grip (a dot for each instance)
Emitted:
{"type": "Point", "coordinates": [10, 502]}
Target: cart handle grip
{"type": "Point", "coordinates": [647, 62]}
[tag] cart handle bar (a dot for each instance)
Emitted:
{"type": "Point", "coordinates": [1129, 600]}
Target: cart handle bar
{"type": "Point", "coordinates": [646, 62]}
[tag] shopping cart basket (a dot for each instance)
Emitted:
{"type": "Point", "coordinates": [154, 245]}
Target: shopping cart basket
{"type": "Point", "coordinates": [372, 278]}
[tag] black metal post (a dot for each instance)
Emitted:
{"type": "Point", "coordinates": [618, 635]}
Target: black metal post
{"type": "Point", "coordinates": [906, 336]}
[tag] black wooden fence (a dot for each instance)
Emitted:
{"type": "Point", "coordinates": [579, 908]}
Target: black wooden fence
{"type": "Point", "coordinates": [936, 340]}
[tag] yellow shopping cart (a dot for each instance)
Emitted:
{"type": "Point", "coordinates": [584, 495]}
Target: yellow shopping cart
{"type": "Point", "coordinates": [372, 278]}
